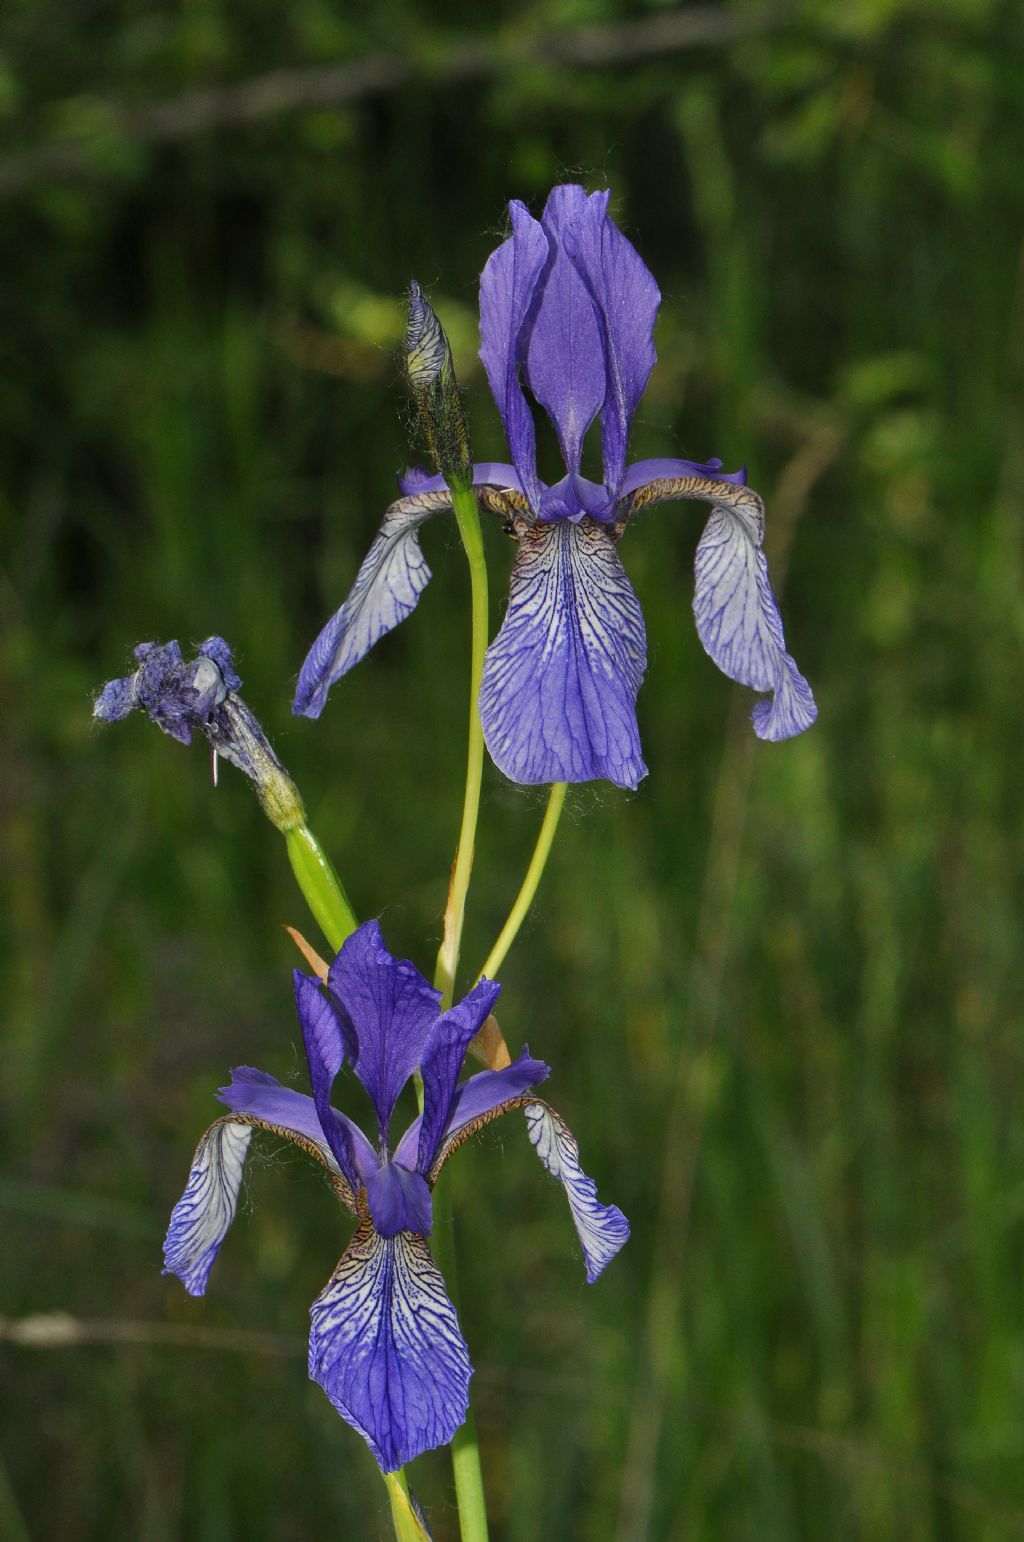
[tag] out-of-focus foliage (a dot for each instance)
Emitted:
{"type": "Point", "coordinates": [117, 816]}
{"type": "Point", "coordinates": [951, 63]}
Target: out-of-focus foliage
{"type": "Point", "coordinates": [781, 986]}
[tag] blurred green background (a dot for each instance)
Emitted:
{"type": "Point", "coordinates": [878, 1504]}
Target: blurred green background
{"type": "Point", "coordinates": [780, 985]}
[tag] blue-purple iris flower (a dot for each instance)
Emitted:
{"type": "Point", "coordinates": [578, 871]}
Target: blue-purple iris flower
{"type": "Point", "coordinates": [568, 307]}
{"type": "Point", "coordinates": [385, 1343]}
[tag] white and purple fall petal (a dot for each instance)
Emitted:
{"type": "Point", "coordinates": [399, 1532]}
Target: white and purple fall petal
{"type": "Point", "coordinates": [560, 680]}
{"type": "Point", "coordinates": [602, 1229]}
{"type": "Point", "coordinates": [386, 1347]}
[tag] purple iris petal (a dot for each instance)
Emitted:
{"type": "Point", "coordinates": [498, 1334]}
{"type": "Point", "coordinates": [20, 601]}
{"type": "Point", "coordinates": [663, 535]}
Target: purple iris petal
{"type": "Point", "coordinates": [626, 301]}
{"type": "Point", "coordinates": [602, 1229]}
{"type": "Point", "coordinates": [486, 473]}
{"type": "Point", "coordinates": [392, 1009]}
{"type": "Point", "coordinates": [643, 471]}
{"type": "Point", "coordinates": [561, 349]}
{"type": "Point", "coordinates": [399, 1200]}
{"type": "Point", "coordinates": [202, 1217]}
{"type": "Point", "coordinates": [573, 497]}
{"type": "Point", "coordinates": [479, 1097]}
{"type": "Point", "coordinates": [738, 619]}
{"type": "Point", "coordinates": [116, 700]}
{"type": "Point", "coordinates": [560, 681]}
{"type": "Point", "coordinates": [385, 1346]}
{"type": "Point", "coordinates": [330, 1040]}
{"type": "Point", "coordinates": [442, 1062]}
{"type": "Point", "coordinates": [263, 1097]}
{"type": "Point", "coordinates": [507, 287]}
{"type": "Point", "coordinates": [388, 585]}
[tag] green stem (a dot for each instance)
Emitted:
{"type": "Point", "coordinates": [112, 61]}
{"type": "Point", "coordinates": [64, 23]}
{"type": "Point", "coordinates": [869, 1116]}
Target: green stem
{"type": "Point", "coordinates": [469, 1479]}
{"type": "Point", "coordinates": [524, 899]}
{"type": "Point", "coordinates": [407, 1527]}
{"type": "Point", "coordinates": [320, 885]}
{"type": "Point", "coordinates": [468, 516]}
{"type": "Point", "coordinates": [469, 1482]}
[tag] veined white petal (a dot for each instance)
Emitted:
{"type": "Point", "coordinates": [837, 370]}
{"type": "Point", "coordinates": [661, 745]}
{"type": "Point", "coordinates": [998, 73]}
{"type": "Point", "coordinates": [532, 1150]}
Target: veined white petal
{"type": "Point", "coordinates": [386, 1347]}
{"type": "Point", "coordinates": [390, 581]}
{"type": "Point", "coordinates": [735, 610]}
{"type": "Point", "coordinates": [201, 1218]}
{"type": "Point", "coordinates": [602, 1229]}
{"type": "Point", "coordinates": [560, 680]}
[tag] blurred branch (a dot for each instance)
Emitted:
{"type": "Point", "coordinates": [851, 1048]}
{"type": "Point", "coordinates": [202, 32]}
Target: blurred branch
{"type": "Point", "coordinates": [281, 91]}
{"type": "Point", "coordinates": [60, 1330]}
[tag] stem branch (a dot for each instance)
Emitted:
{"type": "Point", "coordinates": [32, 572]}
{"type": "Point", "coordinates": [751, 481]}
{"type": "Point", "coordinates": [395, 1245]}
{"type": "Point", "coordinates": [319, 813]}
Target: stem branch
{"type": "Point", "coordinates": [524, 899]}
{"type": "Point", "coordinates": [468, 516]}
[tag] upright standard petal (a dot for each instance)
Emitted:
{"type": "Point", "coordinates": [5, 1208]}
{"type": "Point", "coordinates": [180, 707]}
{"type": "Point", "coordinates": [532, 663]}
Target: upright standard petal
{"type": "Point", "coordinates": [392, 1009]}
{"type": "Point", "coordinates": [558, 698]}
{"type": "Point", "coordinates": [442, 1062]}
{"type": "Point", "coordinates": [393, 576]}
{"type": "Point", "coordinates": [626, 301]}
{"type": "Point", "coordinates": [202, 1217]}
{"type": "Point", "coordinates": [480, 1099]}
{"type": "Point", "coordinates": [386, 1348]}
{"type": "Point", "coordinates": [602, 1229]}
{"type": "Point", "coordinates": [507, 288]}
{"type": "Point", "coordinates": [329, 1039]}
{"type": "Point", "coordinates": [563, 355]}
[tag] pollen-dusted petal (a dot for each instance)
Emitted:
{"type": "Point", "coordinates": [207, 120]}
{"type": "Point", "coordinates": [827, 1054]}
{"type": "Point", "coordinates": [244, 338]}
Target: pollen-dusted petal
{"type": "Point", "coordinates": [399, 1200]}
{"type": "Point", "coordinates": [563, 355]}
{"type": "Point", "coordinates": [385, 1346]}
{"type": "Point", "coordinates": [738, 618]}
{"type": "Point", "coordinates": [392, 1009]}
{"type": "Point", "coordinates": [626, 301]}
{"type": "Point", "coordinates": [393, 575]}
{"type": "Point", "coordinates": [442, 1062]}
{"type": "Point", "coordinates": [508, 285]}
{"type": "Point", "coordinates": [560, 681]}
{"type": "Point", "coordinates": [202, 1217]}
{"type": "Point", "coordinates": [602, 1229]}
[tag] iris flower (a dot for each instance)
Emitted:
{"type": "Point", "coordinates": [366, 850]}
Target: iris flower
{"type": "Point", "coordinates": [385, 1343]}
{"type": "Point", "coordinates": [567, 308]}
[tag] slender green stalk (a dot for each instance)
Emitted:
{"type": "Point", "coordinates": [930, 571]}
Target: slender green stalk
{"type": "Point", "coordinates": [469, 1479]}
{"type": "Point", "coordinates": [320, 885]}
{"type": "Point", "coordinates": [468, 516]}
{"type": "Point", "coordinates": [469, 1483]}
{"type": "Point", "coordinates": [407, 1527]}
{"type": "Point", "coordinates": [524, 899]}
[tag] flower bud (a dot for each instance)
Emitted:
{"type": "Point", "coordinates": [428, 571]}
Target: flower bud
{"type": "Point", "coordinates": [428, 364]}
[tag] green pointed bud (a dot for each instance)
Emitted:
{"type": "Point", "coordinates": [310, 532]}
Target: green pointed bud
{"type": "Point", "coordinates": [428, 364]}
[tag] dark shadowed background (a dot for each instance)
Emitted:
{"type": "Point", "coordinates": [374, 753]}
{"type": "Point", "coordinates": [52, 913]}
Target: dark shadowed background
{"type": "Point", "coordinates": [780, 986]}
